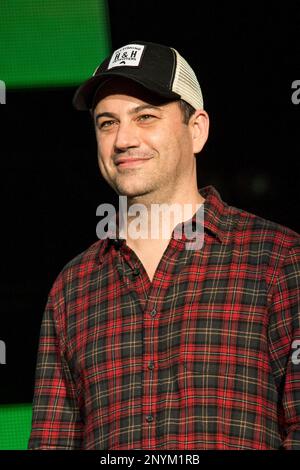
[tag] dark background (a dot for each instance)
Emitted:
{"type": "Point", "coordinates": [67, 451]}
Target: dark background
{"type": "Point", "coordinates": [246, 58]}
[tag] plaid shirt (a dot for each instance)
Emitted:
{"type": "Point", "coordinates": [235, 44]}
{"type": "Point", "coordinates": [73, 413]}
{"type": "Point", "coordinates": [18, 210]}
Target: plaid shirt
{"type": "Point", "coordinates": [202, 357]}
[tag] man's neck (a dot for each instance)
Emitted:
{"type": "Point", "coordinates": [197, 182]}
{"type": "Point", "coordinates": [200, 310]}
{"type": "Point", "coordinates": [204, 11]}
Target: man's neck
{"type": "Point", "coordinates": [153, 226]}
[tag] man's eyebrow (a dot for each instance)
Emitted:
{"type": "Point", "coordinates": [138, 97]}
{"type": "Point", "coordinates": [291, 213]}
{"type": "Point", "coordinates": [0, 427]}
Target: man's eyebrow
{"type": "Point", "coordinates": [105, 114]}
{"type": "Point", "coordinates": [135, 110]}
{"type": "Point", "coordinates": [141, 107]}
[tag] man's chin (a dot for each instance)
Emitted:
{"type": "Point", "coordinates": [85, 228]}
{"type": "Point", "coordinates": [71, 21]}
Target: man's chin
{"type": "Point", "coordinates": [132, 192]}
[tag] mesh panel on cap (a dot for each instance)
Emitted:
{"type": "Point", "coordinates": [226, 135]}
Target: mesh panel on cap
{"type": "Point", "coordinates": [185, 83]}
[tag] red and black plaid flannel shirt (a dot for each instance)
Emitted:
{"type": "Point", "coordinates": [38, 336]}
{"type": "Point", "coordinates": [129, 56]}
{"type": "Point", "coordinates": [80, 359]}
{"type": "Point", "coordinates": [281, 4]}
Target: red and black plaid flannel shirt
{"type": "Point", "coordinates": [202, 357]}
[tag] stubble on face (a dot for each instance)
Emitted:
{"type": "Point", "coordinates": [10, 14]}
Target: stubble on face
{"type": "Point", "coordinates": [155, 179]}
{"type": "Point", "coordinates": [133, 181]}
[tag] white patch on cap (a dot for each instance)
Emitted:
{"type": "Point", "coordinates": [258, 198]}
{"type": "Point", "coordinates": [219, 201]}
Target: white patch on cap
{"type": "Point", "coordinates": [127, 55]}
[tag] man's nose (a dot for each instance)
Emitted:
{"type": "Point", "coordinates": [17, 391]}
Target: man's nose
{"type": "Point", "coordinates": [127, 136]}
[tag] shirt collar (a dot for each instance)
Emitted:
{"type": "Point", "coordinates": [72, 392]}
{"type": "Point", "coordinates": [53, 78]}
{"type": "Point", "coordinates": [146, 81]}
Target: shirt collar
{"type": "Point", "coordinates": [215, 213]}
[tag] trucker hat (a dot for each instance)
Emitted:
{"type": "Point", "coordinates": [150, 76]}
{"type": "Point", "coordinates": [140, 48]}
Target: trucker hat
{"type": "Point", "coordinates": [158, 68]}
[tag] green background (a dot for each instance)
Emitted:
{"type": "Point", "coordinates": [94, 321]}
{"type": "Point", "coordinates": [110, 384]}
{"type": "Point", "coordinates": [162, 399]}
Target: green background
{"type": "Point", "coordinates": [51, 43]}
{"type": "Point", "coordinates": [15, 424]}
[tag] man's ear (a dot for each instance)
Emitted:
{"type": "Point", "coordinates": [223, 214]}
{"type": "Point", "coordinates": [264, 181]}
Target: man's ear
{"type": "Point", "coordinates": [199, 127]}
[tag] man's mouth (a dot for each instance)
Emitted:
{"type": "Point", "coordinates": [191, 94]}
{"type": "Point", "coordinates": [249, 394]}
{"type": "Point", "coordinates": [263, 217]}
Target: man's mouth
{"type": "Point", "coordinates": [131, 161]}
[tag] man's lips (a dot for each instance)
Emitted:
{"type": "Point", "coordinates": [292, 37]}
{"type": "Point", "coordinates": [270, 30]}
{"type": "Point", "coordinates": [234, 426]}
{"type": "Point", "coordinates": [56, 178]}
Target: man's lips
{"type": "Point", "coordinates": [131, 161]}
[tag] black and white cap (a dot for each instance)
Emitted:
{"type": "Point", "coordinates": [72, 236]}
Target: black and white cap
{"type": "Point", "coordinates": [158, 68]}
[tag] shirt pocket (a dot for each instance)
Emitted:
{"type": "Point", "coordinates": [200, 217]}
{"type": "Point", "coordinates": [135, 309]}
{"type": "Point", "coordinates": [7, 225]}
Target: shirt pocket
{"type": "Point", "coordinates": [212, 371]}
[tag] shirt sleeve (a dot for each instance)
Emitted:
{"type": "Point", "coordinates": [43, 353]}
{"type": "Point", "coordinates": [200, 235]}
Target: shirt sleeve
{"type": "Point", "coordinates": [284, 343]}
{"type": "Point", "coordinates": [56, 422]}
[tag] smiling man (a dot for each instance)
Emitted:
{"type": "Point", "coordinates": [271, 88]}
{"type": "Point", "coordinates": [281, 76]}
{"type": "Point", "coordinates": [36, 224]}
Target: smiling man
{"type": "Point", "coordinates": [147, 153]}
{"type": "Point", "coordinates": [148, 345]}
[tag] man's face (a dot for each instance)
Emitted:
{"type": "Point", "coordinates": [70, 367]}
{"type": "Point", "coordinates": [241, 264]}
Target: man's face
{"type": "Point", "coordinates": [143, 146]}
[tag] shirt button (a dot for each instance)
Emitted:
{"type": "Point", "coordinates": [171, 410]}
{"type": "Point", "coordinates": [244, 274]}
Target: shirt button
{"type": "Point", "coordinates": [149, 419]}
{"type": "Point", "coordinates": [153, 313]}
{"type": "Point", "coordinates": [151, 365]}
{"type": "Point", "coordinates": [136, 272]}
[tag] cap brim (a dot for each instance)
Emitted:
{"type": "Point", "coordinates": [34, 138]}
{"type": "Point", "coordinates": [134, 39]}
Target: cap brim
{"type": "Point", "coordinates": [84, 95]}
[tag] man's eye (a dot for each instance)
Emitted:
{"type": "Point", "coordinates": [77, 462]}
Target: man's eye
{"type": "Point", "coordinates": [145, 117]}
{"type": "Point", "coordinates": [105, 124]}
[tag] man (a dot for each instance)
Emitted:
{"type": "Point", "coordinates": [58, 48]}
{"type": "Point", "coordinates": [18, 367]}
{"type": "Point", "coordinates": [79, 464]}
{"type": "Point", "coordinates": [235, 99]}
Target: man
{"type": "Point", "coordinates": [146, 344]}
